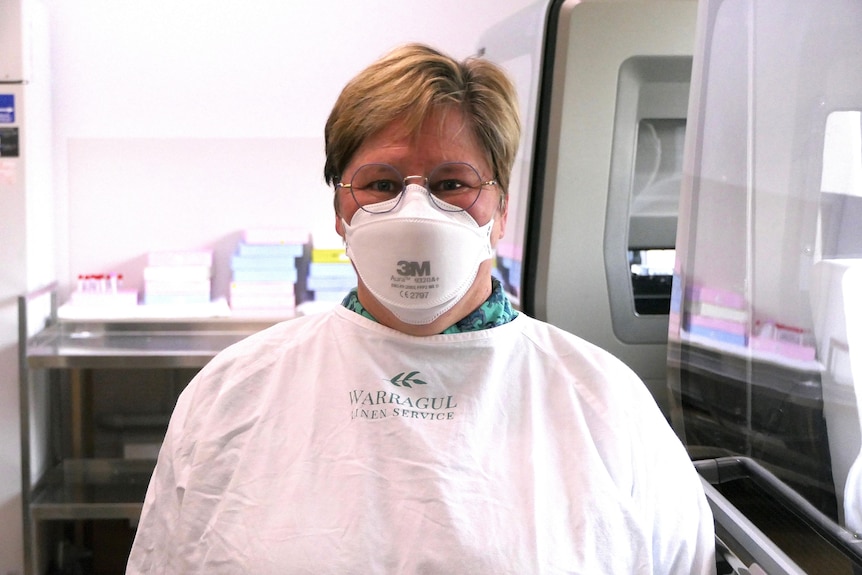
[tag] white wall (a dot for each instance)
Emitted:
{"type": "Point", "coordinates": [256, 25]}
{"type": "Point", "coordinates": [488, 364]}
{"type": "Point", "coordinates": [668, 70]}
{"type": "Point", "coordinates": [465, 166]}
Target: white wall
{"type": "Point", "coordinates": [178, 123]}
{"type": "Point", "coordinates": [144, 89]}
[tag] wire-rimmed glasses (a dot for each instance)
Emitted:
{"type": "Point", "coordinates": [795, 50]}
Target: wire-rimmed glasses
{"type": "Point", "coordinates": [452, 186]}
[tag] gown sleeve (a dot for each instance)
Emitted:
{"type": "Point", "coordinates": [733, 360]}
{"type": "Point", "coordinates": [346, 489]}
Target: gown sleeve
{"type": "Point", "coordinates": [669, 490]}
{"type": "Point", "coordinates": [156, 540]}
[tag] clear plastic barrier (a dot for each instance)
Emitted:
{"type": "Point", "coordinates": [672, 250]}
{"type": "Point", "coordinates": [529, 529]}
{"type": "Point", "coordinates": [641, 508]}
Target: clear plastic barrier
{"type": "Point", "coordinates": [766, 330]}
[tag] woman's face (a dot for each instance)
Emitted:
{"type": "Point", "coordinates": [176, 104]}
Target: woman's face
{"type": "Point", "coordinates": [443, 137]}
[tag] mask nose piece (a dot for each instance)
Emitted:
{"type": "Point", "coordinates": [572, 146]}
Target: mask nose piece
{"type": "Point", "coordinates": [417, 189]}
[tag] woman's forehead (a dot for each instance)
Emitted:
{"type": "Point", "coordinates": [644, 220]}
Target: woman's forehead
{"type": "Point", "coordinates": [443, 135]}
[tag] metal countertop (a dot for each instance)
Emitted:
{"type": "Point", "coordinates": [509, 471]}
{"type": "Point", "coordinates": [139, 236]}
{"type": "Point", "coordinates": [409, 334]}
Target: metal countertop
{"type": "Point", "coordinates": [117, 344]}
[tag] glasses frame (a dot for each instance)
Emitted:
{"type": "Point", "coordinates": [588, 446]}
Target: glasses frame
{"type": "Point", "coordinates": [437, 202]}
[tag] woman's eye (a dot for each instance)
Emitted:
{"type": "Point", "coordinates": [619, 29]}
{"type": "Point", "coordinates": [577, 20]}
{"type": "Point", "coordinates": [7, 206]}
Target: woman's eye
{"type": "Point", "coordinates": [384, 186]}
{"type": "Point", "coordinates": [447, 186]}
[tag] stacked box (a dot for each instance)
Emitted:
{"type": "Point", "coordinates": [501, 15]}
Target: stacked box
{"type": "Point", "coordinates": [718, 315]}
{"type": "Point", "coordinates": [330, 275]}
{"type": "Point", "coordinates": [508, 271]}
{"type": "Point", "coordinates": [265, 270]}
{"type": "Point", "coordinates": [178, 278]}
{"type": "Point", "coordinates": [508, 267]}
{"type": "Point", "coordinates": [724, 316]}
{"type": "Point", "coordinates": [784, 341]}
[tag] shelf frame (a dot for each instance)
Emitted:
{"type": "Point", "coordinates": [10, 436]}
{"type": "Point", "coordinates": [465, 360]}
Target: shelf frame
{"type": "Point", "coordinates": [81, 488]}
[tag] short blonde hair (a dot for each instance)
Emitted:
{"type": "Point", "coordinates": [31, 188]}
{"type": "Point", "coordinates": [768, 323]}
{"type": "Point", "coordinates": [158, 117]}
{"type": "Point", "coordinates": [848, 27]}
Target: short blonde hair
{"type": "Point", "coordinates": [409, 83]}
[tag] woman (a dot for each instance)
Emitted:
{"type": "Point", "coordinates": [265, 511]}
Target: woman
{"type": "Point", "coordinates": [424, 426]}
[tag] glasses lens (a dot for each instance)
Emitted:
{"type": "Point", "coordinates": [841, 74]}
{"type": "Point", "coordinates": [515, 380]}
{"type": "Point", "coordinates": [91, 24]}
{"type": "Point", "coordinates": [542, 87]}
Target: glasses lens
{"type": "Point", "coordinates": [374, 184]}
{"type": "Point", "coordinates": [455, 186]}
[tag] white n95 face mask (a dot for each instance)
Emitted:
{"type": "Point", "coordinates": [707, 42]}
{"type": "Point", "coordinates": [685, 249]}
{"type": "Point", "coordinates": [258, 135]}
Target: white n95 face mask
{"type": "Point", "coordinates": [417, 260]}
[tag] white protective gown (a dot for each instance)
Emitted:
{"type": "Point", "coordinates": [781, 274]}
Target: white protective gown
{"type": "Point", "coordinates": [334, 445]}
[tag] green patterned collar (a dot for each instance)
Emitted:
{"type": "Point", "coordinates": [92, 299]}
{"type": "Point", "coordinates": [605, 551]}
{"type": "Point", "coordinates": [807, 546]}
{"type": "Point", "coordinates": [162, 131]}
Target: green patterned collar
{"type": "Point", "coordinates": [497, 310]}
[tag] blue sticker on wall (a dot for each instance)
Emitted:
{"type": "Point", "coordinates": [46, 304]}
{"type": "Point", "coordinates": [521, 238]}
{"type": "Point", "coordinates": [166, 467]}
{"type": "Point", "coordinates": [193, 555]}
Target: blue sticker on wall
{"type": "Point", "coordinates": [7, 108]}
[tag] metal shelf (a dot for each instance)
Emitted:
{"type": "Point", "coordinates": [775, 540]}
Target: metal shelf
{"type": "Point", "coordinates": [79, 488]}
{"type": "Point", "coordinates": [92, 489]}
{"type": "Point", "coordinates": [135, 345]}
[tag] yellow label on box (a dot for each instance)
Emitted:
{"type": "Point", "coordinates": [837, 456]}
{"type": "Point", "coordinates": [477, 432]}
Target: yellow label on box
{"type": "Point", "coordinates": [329, 256]}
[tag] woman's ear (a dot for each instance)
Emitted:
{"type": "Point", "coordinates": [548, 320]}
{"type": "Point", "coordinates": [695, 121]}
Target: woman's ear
{"type": "Point", "coordinates": [503, 217]}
